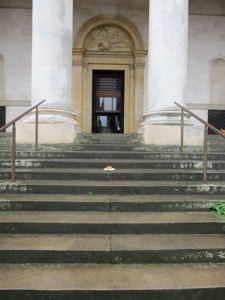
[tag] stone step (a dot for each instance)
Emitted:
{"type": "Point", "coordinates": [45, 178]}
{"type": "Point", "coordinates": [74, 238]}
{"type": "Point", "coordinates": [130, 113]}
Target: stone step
{"type": "Point", "coordinates": [117, 175]}
{"type": "Point", "coordinates": [114, 203]}
{"type": "Point", "coordinates": [107, 155]}
{"type": "Point", "coordinates": [111, 223]}
{"type": "Point", "coordinates": [112, 281]}
{"type": "Point", "coordinates": [113, 147]}
{"type": "Point", "coordinates": [95, 235]}
{"type": "Point", "coordinates": [5, 135]}
{"type": "Point", "coordinates": [112, 249]}
{"type": "Point", "coordinates": [109, 139]}
{"type": "Point", "coordinates": [83, 147]}
{"type": "Point", "coordinates": [116, 163]}
{"type": "Point", "coordinates": [85, 187]}
{"type": "Point", "coordinates": [108, 135]}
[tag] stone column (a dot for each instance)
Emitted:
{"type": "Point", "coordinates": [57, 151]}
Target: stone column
{"type": "Point", "coordinates": [167, 75]}
{"type": "Point", "coordinates": [52, 70]}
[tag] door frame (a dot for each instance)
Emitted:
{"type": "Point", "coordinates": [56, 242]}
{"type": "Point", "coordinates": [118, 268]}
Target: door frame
{"type": "Point", "coordinates": [127, 99]}
{"type": "Point", "coordinates": [131, 61]}
{"type": "Point", "coordinates": [86, 62]}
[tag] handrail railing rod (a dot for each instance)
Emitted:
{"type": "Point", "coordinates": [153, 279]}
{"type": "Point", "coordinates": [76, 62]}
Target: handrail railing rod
{"type": "Point", "coordinates": [13, 122]}
{"type": "Point", "coordinates": [182, 131]}
{"type": "Point", "coordinates": [201, 120]}
{"type": "Point", "coordinates": [20, 116]}
{"type": "Point", "coordinates": [205, 155]}
{"type": "Point", "coordinates": [36, 129]}
{"type": "Point", "coordinates": [207, 125]}
{"type": "Point", "coordinates": [13, 170]}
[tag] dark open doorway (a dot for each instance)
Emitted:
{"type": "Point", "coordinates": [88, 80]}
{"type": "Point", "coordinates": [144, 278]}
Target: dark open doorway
{"type": "Point", "coordinates": [2, 116]}
{"type": "Point", "coordinates": [108, 101]}
{"type": "Point", "coordinates": [217, 119]}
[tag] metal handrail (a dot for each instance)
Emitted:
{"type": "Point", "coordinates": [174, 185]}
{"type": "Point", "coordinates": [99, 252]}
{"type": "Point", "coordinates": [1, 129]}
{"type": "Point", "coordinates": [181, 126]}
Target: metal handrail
{"type": "Point", "coordinates": [13, 123]}
{"type": "Point", "coordinates": [207, 125]}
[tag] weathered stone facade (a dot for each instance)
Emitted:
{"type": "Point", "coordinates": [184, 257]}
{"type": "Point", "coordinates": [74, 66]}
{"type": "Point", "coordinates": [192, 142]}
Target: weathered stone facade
{"type": "Point", "coordinates": [112, 35]}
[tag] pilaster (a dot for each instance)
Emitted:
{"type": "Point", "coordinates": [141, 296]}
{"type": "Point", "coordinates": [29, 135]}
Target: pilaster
{"type": "Point", "coordinates": [139, 66]}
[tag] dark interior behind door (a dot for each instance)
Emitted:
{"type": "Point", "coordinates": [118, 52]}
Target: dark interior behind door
{"type": "Point", "coordinates": [108, 102]}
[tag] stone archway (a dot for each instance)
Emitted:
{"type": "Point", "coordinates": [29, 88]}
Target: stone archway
{"type": "Point", "coordinates": [105, 43]}
{"type": "Point", "coordinates": [217, 81]}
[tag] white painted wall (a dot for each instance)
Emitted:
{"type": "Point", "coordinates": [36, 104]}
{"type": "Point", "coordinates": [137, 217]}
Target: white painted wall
{"type": "Point", "coordinates": [207, 7]}
{"type": "Point", "coordinates": [206, 42]}
{"type": "Point", "coordinates": [135, 11]}
{"type": "Point", "coordinates": [1, 76]}
{"type": "Point", "coordinates": [15, 48]}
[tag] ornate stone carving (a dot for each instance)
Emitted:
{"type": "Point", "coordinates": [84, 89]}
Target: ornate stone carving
{"type": "Point", "coordinates": [108, 38]}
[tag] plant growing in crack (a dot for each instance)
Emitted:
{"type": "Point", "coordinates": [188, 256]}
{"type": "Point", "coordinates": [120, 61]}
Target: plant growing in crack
{"type": "Point", "coordinates": [218, 208]}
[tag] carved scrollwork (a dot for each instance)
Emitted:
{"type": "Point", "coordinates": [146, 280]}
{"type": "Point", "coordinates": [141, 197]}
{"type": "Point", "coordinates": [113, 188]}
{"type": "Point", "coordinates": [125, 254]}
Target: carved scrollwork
{"type": "Point", "coordinates": [109, 38]}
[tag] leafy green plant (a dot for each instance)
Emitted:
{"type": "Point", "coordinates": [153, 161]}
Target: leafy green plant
{"type": "Point", "coordinates": [90, 193]}
{"type": "Point", "coordinates": [218, 208]}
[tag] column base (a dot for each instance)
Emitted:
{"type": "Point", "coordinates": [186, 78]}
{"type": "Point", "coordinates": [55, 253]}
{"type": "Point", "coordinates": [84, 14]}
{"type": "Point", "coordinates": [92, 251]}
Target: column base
{"type": "Point", "coordinates": [55, 126]}
{"type": "Point", "coordinates": [162, 127]}
{"type": "Point", "coordinates": [170, 135]}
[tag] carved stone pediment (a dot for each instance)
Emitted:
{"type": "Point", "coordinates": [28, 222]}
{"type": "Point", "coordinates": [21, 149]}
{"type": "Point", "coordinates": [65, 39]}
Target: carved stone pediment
{"type": "Point", "coordinates": [108, 38]}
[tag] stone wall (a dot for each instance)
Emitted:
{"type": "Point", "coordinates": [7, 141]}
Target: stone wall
{"type": "Point", "coordinates": [207, 7]}
{"type": "Point", "coordinates": [206, 43]}
{"type": "Point", "coordinates": [15, 49]}
{"type": "Point", "coordinates": [135, 11]}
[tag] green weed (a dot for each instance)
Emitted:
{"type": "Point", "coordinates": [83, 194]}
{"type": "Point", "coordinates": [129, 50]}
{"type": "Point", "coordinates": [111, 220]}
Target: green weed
{"type": "Point", "coordinates": [218, 208]}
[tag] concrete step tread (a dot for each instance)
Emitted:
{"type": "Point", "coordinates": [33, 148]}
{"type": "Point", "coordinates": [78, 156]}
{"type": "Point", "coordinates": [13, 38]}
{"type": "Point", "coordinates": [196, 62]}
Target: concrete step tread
{"type": "Point", "coordinates": [108, 155]}
{"type": "Point", "coordinates": [110, 217]}
{"type": "Point", "coordinates": [115, 183]}
{"type": "Point", "coordinates": [105, 160]}
{"type": "Point", "coordinates": [108, 135]}
{"type": "Point", "coordinates": [150, 242]}
{"type": "Point", "coordinates": [165, 164]}
{"type": "Point", "coordinates": [111, 198]}
{"type": "Point", "coordinates": [112, 187]}
{"type": "Point", "coordinates": [116, 171]}
{"type": "Point", "coordinates": [110, 277]}
{"type": "Point", "coordinates": [136, 150]}
{"type": "Point", "coordinates": [61, 152]}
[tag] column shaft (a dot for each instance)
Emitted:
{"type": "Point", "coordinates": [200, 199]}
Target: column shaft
{"type": "Point", "coordinates": [52, 52]}
{"type": "Point", "coordinates": [168, 44]}
{"type": "Point", "coordinates": [167, 75]}
{"type": "Point", "coordinates": [52, 73]}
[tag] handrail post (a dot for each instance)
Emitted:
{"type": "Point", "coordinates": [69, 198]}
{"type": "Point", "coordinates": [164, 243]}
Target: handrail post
{"type": "Point", "coordinates": [13, 174]}
{"type": "Point", "coordinates": [13, 122]}
{"type": "Point", "coordinates": [182, 131]}
{"type": "Point", "coordinates": [36, 129]}
{"type": "Point", "coordinates": [205, 154]}
{"type": "Point", "coordinates": [207, 126]}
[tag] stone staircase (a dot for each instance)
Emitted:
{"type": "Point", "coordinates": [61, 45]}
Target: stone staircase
{"type": "Point", "coordinates": [70, 230]}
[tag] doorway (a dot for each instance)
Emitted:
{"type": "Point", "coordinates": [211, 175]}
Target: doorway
{"type": "Point", "coordinates": [2, 116]}
{"type": "Point", "coordinates": [108, 101]}
{"type": "Point", "coordinates": [217, 119]}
